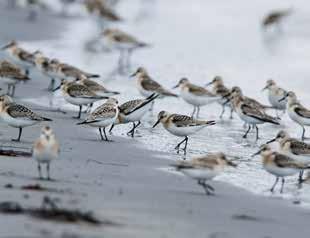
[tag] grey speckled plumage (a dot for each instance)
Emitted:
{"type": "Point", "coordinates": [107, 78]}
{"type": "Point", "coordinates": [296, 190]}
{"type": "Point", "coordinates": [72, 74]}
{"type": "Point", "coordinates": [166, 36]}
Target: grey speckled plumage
{"type": "Point", "coordinates": [78, 90]}
{"type": "Point", "coordinates": [20, 111]}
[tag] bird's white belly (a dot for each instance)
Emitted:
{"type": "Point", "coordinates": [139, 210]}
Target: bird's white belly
{"type": "Point", "coordinates": [299, 119]}
{"type": "Point", "coordinates": [248, 119]}
{"type": "Point", "coordinates": [137, 115]}
{"type": "Point", "coordinates": [144, 93]}
{"type": "Point", "coordinates": [203, 174]}
{"type": "Point", "coordinates": [44, 156]}
{"type": "Point", "coordinates": [7, 80]}
{"type": "Point", "coordinates": [17, 122]}
{"type": "Point", "coordinates": [281, 172]}
{"type": "Point", "coordinates": [79, 101]}
{"type": "Point", "coordinates": [274, 101]}
{"type": "Point", "coordinates": [197, 100]}
{"type": "Point", "coordinates": [183, 131]}
{"type": "Point", "coordinates": [104, 122]}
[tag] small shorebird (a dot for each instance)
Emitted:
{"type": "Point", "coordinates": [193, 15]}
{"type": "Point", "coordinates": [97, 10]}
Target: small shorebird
{"type": "Point", "coordinates": [195, 95]}
{"type": "Point", "coordinates": [275, 17]}
{"type": "Point", "coordinates": [133, 111]}
{"type": "Point", "coordinates": [124, 43]}
{"type": "Point", "coordinates": [219, 89]}
{"type": "Point", "coordinates": [78, 94]}
{"type": "Point", "coordinates": [204, 168]}
{"type": "Point", "coordinates": [103, 116]}
{"type": "Point", "coordinates": [21, 57]}
{"type": "Point", "coordinates": [275, 93]}
{"type": "Point", "coordinates": [250, 114]}
{"type": "Point", "coordinates": [279, 165]}
{"type": "Point", "coordinates": [45, 149]}
{"type": "Point", "coordinates": [297, 112]}
{"type": "Point", "coordinates": [181, 125]}
{"type": "Point", "coordinates": [11, 75]}
{"type": "Point", "coordinates": [18, 116]}
{"type": "Point", "coordinates": [147, 86]}
{"type": "Point", "coordinates": [296, 149]}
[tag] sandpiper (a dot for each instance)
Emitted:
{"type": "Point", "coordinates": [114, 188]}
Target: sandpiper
{"type": "Point", "coordinates": [219, 89]}
{"type": "Point", "coordinates": [18, 116]}
{"type": "Point", "coordinates": [279, 165]}
{"type": "Point", "coordinates": [133, 111]}
{"type": "Point", "coordinates": [195, 95]}
{"type": "Point", "coordinates": [45, 150]}
{"type": "Point", "coordinates": [250, 114]}
{"type": "Point", "coordinates": [11, 75]}
{"type": "Point", "coordinates": [124, 43]}
{"type": "Point", "coordinates": [147, 86]}
{"type": "Point", "coordinates": [275, 93]}
{"type": "Point", "coordinates": [78, 94]}
{"type": "Point", "coordinates": [297, 112]}
{"type": "Point", "coordinates": [204, 168]}
{"type": "Point", "coordinates": [296, 149]}
{"type": "Point", "coordinates": [103, 116]}
{"type": "Point", "coordinates": [20, 56]}
{"type": "Point", "coordinates": [181, 125]}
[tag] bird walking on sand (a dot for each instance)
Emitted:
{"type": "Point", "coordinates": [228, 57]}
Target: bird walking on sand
{"type": "Point", "coordinates": [296, 149]}
{"type": "Point", "coordinates": [11, 75]}
{"type": "Point", "coordinates": [297, 112]}
{"type": "Point", "coordinates": [279, 165]}
{"type": "Point", "coordinates": [275, 93]}
{"type": "Point", "coordinates": [103, 116]}
{"type": "Point", "coordinates": [219, 89]}
{"type": "Point", "coordinates": [126, 44]}
{"type": "Point", "coordinates": [204, 168]}
{"type": "Point", "coordinates": [18, 116]}
{"type": "Point", "coordinates": [181, 125]}
{"type": "Point", "coordinates": [133, 111]}
{"type": "Point", "coordinates": [78, 94]}
{"type": "Point", "coordinates": [195, 95]}
{"type": "Point", "coordinates": [45, 150]}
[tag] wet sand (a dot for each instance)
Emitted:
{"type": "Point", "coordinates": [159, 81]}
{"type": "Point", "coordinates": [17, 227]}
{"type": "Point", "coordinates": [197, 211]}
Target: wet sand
{"type": "Point", "coordinates": [127, 187]}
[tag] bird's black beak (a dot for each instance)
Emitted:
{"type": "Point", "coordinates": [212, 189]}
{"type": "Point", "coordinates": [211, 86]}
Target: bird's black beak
{"type": "Point", "coordinates": [232, 164]}
{"type": "Point", "coordinates": [265, 88]}
{"type": "Point", "coordinates": [270, 141]}
{"type": "Point", "coordinates": [156, 123]}
{"type": "Point", "coordinates": [257, 153]}
{"type": "Point", "coordinates": [176, 86]}
{"type": "Point", "coordinates": [55, 89]}
{"type": "Point", "coordinates": [134, 74]}
{"type": "Point", "coordinates": [282, 99]}
{"type": "Point", "coordinates": [208, 84]}
{"type": "Point", "coordinates": [5, 47]}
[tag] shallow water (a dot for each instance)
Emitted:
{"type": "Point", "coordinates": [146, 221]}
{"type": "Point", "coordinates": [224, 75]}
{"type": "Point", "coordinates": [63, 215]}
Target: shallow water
{"type": "Point", "coordinates": [201, 39]}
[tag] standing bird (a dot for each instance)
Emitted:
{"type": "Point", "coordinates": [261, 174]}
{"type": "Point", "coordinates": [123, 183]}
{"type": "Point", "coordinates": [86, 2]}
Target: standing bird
{"type": "Point", "coordinates": [181, 125]}
{"type": "Point", "coordinates": [296, 149]}
{"type": "Point", "coordinates": [279, 165]}
{"type": "Point", "coordinates": [124, 43]}
{"type": "Point", "coordinates": [103, 116]}
{"type": "Point", "coordinates": [18, 116]}
{"type": "Point", "coordinates": [297, 112]}
{"type": "Point", "coordinates": [195, 95]}
{"type": "Point", "coordinates": [204, 168]}
{"type": "Point", "coordinates": [78, 94]}
{"type": "Point", "coordinates": [219, 89]}
{"type": "Point", "coordinates": [133, 111]}
{"type": "Point", "coordinates": [275, 93]}
{"type": "Point", "coordinates": [275, 17]}
{"type": "Point", "coordinates": [45, 150]}
{"type": "Point", "coordinates": [11, 75]}
{"type": "Point", "coordinates": [250, 114]}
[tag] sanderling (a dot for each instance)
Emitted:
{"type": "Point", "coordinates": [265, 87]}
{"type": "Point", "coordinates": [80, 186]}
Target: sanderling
{"type": "Point", "coordinates": [279, 165]}
{"type": "Point", "coordinates": [204, 168]}
{"type": "Point", "coordinates": [275, 93]}
{"type": "Point", "coordinates": [103, 116]}
{"type": "Point", "coordinates": [78, 94]}
{"type": "Point", "coordinates": [275, 17]}
{"type": "Point", "coordinates": [296, 149]}
{"type": "Point", "coordinates": [195, 95]}
{"type": "Point", "coordinates": [45, 149]}
{"type": "Point", "coordinates": [147, 86]}
{"type": "Point", "coordinates": [11, 75]}
{"type": "Point", "coordinates": [250, 114]}
{"type": "Point", "coordinates": [18, 116]}
{"type": "Point", "coordinates": [133, 111]}
{"type": "Point", "coordinates": [297, 112]}
{"type": "Point", "coordinates": [124, 43]}
{"type": "Point", "coordinates": [21, 57]}
{"type": "Point", "coordinates": [219, 89]}
{"type": "Point", "coordinates": [181, 125]}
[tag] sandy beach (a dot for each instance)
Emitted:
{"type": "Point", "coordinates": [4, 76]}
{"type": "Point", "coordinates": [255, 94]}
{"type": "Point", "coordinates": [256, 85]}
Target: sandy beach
{"type": "Point", "coordinates": [122, 181]}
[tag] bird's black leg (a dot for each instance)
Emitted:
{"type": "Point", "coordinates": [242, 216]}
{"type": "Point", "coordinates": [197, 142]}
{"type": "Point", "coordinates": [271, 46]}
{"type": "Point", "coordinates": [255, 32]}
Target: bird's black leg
{"type": "Point", "coordinates": [19, 135]}
{"type": "Point", "coordinates": [194, 111]}
{"type": "Point", "coordinates": [51, 85]}
{"type": "Point", "coordinates": [110, 131]}
{"type": "Point", "coordinates": [13, 90]}
{"type": "Point", "coordinates": [185, 146]}
{"type": "Point", "coordinates": [198, 111]}
{"type": "Point", "coordinates": [39, 171]}
{"type": "Point", "coordinates": [223, 111]}
{"type": "Point", "coordinates": [231, 113]}
{"type": "Point", "coordinates": [300, 179]}
{"type": "Point", "coordinates": [178, 145]}
{"type": "Point", "coordinates": [303, 133]}
{"type": "Point", "coordinates": [282, 186]}
{"type": "Point", "coordinates": [48, 171]}
{"type": "Point", "coordinates": [9, 91]}
{"type": "Point", "coordinates": [206, 187]}
{"type": "Point", "coordinates": [274, 185]}
{"type": "Point", "coordinates": [132, 131]}
{"type": "Point", "coordinates": [247, 132]}
{"type": "Point", "coordinates": [105, 135]}
{"type": "Point", "coordinates": [257, 136]}
{"type": "Point", "coordinates": [101, 133]}
{"type": "Point", "coordinates": [80, 112]}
